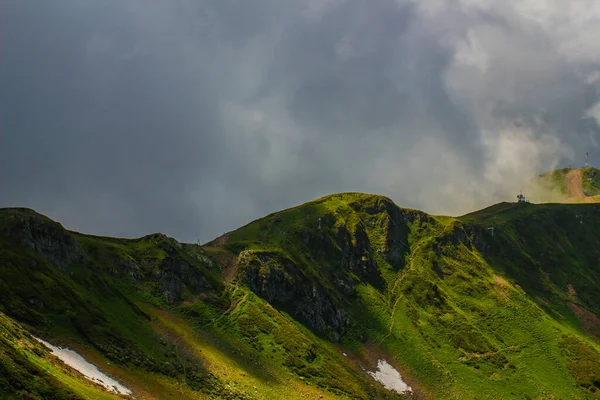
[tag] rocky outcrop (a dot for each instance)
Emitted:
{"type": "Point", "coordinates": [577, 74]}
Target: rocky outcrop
{"type": "Point", "coordinates": [125, 266]}
{"type": "Point", "coordinates": [357, 257]}
{"type": "Point", "coordinates": [393, 223]}
{"type": "Point", "coordinates": [455, 236]}
{"type": "Point", "coordinates": [352, 251]}
{"type": "Point", "coordinates": [176, 272]}
{"type": "Point", "coordinates": [280, 282]}
{"type": "Point", "coordinates": [44, 236]}
{"type": "Point", "coordinates": [179, 271]}
{"type": "Point", "coordinates": [163, 242]}
{"type": "Point", "coordinates": [318, 274]}
{"type": "Point", "coordinates": [173, 274]}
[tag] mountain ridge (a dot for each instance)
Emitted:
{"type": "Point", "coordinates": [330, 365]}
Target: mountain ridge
{"type": "Point", "coordinates": [314, 295]}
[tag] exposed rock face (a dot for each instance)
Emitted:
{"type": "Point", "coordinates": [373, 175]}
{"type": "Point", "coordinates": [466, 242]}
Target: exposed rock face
{"type": "Point", "coordinates": [126, 266]}
{"type": "Point", "coordinates": [356, 256]}
{"type": "Point", "coordinates": [351, 251]}
{"type": "Point", "coordinates": [394, 223]}
{"type": "Point", "coordinates": [342, 255]}
{"type": "Point", "coordinates": [479, 238]}
{"type": "Point", "coordinates": [279, 281]}
{"type": "Point", "coordinates": [45, 236]}
{"type": "Point", "coordinates": [174, 274]}
{"type": "Point", "coordinates": [395, 226]}
{"type": "Point", "coordinates": [168, 244]}
{"type": "Point", "coordinates": [456, 237]}
{"type": "Point", "coordinates": [52, 241]}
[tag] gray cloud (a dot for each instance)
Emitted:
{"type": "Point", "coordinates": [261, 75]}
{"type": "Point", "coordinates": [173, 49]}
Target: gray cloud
{"type": "Point", "coordinates": [195, 117]}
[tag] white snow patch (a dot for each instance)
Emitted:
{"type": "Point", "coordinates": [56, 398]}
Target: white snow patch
{"type": "Point", "coordinates": [389, 378]}
{"type": "Point", "coordinates": [74, 360]}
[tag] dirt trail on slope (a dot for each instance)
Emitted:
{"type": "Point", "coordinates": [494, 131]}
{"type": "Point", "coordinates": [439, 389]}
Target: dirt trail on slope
{"type": "Point", "coordinates": [573, 181]}
{"type": "Point", "coordinates": [574, 184]}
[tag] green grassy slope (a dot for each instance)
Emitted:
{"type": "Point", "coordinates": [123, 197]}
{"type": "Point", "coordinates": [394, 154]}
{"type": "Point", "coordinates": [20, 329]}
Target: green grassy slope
{"type": "Point", "coordinates": [299, 303]}
{"type": "Point", "coordinates": [28, 372]}
{"type": "Point", "coordinates": [157, 315]}
{"type": "Point", "coordinates": [463, 315]}
{"type": "Point", "coordinates": [591, 181]}
{"type": "Point", "coordinates": [554, 185]}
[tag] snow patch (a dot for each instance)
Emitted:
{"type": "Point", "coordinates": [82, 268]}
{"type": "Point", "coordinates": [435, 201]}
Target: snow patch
{"type": "Point", "coordinates": [75, 361]}
{"type": "Point", "coordinates": [389, 378]}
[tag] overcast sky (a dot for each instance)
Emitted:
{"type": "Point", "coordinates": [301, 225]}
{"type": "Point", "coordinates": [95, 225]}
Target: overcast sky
{"type": "Point", "coordinates": [195, 117]}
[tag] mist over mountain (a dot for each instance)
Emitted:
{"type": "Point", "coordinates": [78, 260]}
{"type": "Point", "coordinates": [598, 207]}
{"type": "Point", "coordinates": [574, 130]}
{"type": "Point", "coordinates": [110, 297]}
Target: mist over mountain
{"type": "Point", "coordinates": [195, 117]}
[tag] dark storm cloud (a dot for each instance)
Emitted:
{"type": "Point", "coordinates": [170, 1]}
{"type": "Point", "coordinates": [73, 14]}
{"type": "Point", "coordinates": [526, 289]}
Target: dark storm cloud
{"type": "Point", "coordinates": [192, 117]}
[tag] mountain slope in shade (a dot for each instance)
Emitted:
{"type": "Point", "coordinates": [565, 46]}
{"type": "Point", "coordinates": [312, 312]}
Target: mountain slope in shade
{"type": "Point", "coordinates": [303, 303]}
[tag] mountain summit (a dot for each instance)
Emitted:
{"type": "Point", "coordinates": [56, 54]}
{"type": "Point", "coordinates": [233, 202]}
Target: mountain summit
{"type": "Point", "coordinates": [347, 296]}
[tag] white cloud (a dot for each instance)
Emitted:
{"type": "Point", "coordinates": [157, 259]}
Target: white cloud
{"type": "Point", "coordinates": [315, 9]}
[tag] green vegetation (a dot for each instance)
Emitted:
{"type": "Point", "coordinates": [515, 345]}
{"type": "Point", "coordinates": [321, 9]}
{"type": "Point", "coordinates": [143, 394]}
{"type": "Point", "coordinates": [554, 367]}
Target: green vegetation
{"type": "Point", "coordinates": [28, 372]}
{"type": "Point", "coordinates": [299, 303]}
{"type": "Point", "coordinates": [591, 181]}
{"type": "Point", "coordinates": [156, 315]}
{"type": "Point", "coordinates": [583, 362]}
{"type": "Point", "coordinates": [568, 185]}
{"type": "Point", "coordinates": [463, 313]}
{"type": "Point", "coordinates": [555, 180]}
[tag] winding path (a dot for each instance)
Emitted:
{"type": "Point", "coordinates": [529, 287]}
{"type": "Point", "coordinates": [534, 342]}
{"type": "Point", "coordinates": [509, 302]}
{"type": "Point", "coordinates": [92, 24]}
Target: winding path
{"type": "Point", "coordinates": [398, 279]}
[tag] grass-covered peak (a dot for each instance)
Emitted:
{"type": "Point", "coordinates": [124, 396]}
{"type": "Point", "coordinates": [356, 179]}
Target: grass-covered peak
{"type": "Point", "coordinates": [572, 185]}
{"type": "Point", "coordinates": [351, 211]}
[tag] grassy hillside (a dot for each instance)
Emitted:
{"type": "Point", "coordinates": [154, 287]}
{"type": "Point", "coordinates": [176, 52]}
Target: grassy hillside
{"type": "Point", "coordinates": [591, 181]}
{"type": "Point", "coordinates": [463, 314]}
{"type": "Point", "coordinates": [568, 185]}
{"type": "Point", "coordinates": [300, 303]}
{"type": "Point", "coordinates": [27, 371]}
{"type": "Point", "coordinates": [157, 316]}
